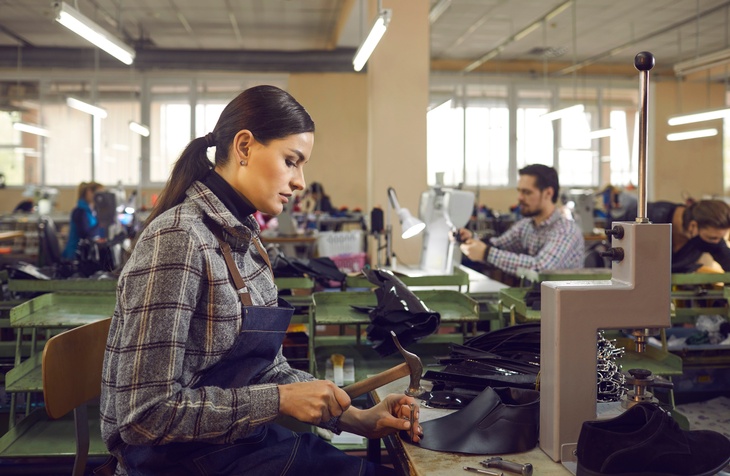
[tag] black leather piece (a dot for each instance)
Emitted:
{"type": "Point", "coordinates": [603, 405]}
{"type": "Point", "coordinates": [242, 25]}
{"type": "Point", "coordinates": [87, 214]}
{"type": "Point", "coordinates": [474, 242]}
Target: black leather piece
{"type": "Point", "coordinates": [500, 420]}
{"type": "Point", "coordinates": [646, 441]}
{"type": "Point", "coordinates": [398, 310]}
{"type": "Point", "coordinates": [449, 380]}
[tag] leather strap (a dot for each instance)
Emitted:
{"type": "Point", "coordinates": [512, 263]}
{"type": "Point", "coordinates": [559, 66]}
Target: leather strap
{"type": "Point", "coordinates": [231, 263]}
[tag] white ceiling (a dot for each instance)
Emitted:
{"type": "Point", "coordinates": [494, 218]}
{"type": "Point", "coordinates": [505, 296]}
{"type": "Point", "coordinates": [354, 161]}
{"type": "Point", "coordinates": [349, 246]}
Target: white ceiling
{"type": "Point", "coordinates": [327, 31]}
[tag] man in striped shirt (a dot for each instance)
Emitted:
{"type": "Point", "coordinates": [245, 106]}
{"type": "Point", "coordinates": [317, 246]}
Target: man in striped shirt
{"type": "Point", "coordinates": [544, 239]}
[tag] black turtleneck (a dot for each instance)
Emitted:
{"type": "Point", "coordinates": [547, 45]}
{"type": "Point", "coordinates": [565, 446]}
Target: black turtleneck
{"type": "Point", "coordinates": [233, 201]}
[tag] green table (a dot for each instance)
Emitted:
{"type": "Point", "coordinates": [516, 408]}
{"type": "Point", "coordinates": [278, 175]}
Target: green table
{"type": "Point", "coordinates": [334, 309]}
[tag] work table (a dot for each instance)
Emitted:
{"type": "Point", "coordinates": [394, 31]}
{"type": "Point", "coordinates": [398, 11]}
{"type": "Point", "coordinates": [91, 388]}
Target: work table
{"type": "Point", "coordinates": [416, 461]}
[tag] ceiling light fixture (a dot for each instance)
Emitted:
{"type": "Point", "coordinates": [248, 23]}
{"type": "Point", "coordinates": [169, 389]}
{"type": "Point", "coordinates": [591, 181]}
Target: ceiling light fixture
{"type": "Point", "coordinates": [561, 113]}
{"type": "Point", "coordinates": [140, 129]}
{"type": "Point", "coordinates": [86, 107]}
{"type": "Point", "coordinates": [701, 63]}
{"type": "Point", "coordinates": [438, 10]}
{"type": "Point", "coordinates": [519, 35]}
{"type": "Point", "coordinates": [600, 133]}
{"type": "Point", "coordinates": [30, 129]}
{"type": "Point", "coordinates": [691, 134]}
{"type": "Point", "coordinates": [75, 21]}
{"type": "Point", "coordinates": [699, 117]}
{"type": "Point", "coordinates": [376, 33]}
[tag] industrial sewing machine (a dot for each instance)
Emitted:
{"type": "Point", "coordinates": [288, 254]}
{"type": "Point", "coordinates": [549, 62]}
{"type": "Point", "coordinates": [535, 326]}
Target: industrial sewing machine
{"type": "Point", "coordinates": [636, 297]}
{"type": "Point", "coordinates": [443, 210]}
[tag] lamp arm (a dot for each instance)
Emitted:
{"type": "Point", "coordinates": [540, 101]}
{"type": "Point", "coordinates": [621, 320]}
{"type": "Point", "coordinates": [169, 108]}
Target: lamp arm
{"type": "Point", "coordinates": [393, 199]}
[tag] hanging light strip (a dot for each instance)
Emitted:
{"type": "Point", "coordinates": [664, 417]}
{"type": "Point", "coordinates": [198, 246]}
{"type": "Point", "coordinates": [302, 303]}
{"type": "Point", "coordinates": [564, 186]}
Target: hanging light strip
{"type": "Point", "coordinates": [561, 113]}
{"type": "Point", "coordinates": [77, 22]}
{"type": "Point", "coordinates": [140, 129]}
{"type": "Point", "coordinates": [691, 134]}
{"type": "Point", "coordinates": [31, 129]}
{"type": "Point", "coordinates": [86, 107]}
{"type": "Point", "coordinates": [376, 33]}
{"type": "Point", "coordinates": [699, 117]}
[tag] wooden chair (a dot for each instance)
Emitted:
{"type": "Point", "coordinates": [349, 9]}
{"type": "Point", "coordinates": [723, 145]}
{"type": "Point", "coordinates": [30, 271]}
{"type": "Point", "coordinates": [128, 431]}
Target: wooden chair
{"type": "Point", "coordinates": [72, 365]}
{"type": "Point", "coordinates": [71, 376]}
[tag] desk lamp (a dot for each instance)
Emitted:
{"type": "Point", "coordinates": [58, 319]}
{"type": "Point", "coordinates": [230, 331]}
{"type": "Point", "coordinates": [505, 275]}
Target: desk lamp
{"type": "Point", "coordinates": [410, 225]}
{"type": "Point", "coordinates": [637, 297]}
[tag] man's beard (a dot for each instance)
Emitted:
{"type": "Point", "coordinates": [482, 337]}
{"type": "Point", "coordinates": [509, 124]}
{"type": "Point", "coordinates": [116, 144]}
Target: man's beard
{"type": "Point", "coordinates": [531, 213]}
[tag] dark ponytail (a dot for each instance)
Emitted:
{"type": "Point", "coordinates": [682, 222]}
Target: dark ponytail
{"type": "Point", "coordinates": [267, 111]}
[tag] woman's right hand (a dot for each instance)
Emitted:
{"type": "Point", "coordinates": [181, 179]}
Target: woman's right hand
{"type": "Point", "coordinates": [314, 402]}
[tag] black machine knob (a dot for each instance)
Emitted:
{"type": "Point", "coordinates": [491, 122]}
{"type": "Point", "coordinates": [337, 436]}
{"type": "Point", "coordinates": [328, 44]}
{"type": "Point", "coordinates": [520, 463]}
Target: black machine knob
{"type": "Point", "coordinates": [644, 61]}
{"type": "Point", "coordinates": [642, 374]}
{"type": "Point", "coordinates": [617, 232]}
{"type": "Point", "coordinates": [615, 254]}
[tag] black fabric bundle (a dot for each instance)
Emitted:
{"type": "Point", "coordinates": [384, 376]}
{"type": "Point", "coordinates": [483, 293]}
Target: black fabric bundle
{"type": "Point", "coordinates": [398, 310]}
{"type": "Point", "coordinates": [503, 357]}
{"type": "Point", "coordinates": [323, 270]}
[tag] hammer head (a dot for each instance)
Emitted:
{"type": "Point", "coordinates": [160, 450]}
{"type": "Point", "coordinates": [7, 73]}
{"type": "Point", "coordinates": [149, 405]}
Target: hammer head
{"type": "Point", "coordinates": [415, 365]}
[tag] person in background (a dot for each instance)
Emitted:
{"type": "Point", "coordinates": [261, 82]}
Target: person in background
{"type": "Point", "coordinates": [189, 385]}
{"type": "Point", "coordinates": [697, 228]}
{"type": "Point", "coordinates": [315, 200]}
{"type": "Point", "coordinates": [543, 239]}
{"type": "Point", "coordinates": [83, 224]}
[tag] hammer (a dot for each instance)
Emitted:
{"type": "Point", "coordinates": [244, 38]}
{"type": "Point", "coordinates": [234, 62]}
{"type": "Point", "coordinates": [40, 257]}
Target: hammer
{"type": "Point", "coordinates": [412, 366]}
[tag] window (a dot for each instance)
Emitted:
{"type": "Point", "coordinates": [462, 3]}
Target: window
{"type": "Point", "coordinates": [69, 144]}
{"type": "Point", "coordinates": [120, 147]}
{"type": "Point", "coordinates": [478, 137]}
{"type": "Point", "coordinates": [445, 144]}
{"type": "Point", "coordinates": [487, 146]}
{"type": "Point", "coordinates": [11, 153]}
{"type": "Point", "coordinates": [171, 120]}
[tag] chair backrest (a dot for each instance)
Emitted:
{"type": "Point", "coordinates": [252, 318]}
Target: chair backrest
{"type": "Point", "coordinates": [48, 241]}
{"type": "Point", "coordinates": [72, 363]}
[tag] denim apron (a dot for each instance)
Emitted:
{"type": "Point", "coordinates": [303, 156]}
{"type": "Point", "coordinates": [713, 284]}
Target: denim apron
{"type": "Point", "coordinates": [270, 449]}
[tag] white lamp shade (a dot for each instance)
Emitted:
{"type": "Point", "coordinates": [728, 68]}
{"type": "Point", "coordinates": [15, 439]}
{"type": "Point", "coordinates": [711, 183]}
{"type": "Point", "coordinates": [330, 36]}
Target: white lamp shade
{"type": "Point", "coordinates": [410, 225]}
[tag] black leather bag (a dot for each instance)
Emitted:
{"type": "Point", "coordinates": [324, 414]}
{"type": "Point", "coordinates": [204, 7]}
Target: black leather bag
{"type": "Point", "coordinates": [398, 310]}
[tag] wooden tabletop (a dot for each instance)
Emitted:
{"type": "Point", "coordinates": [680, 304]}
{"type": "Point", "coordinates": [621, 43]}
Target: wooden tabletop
{"type": "Point", "coordinates": [288, 239]}
{"type": "Point", "coordinates": [11, 235]}
{"type": "Point", "coordinates": [423, 462]}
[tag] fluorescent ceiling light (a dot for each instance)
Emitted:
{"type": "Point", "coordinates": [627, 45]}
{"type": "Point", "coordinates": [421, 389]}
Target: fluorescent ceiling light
{"type": "Point", "coordinates": [438, 10]}
{"type": "Point", "coordinates": [86, 107]}
{"type": "Point", "coordinates": [699, 117]}
{"type": "Point", "coordinates": [691, 134]}
{"type": "Point", "coordinates": [597, 134]}
{"type": "Point", "coordinates": [75, 21]}
{"type": "Point", "coordinates": [701, 63]}
{"type": "Point", "coordinates": [376, 33]}
{"type": "Point", "coordinates": [140, 129]}
{"type": "Point", "coordinates": [30, 129]}
{"type": "Point", "coordinates": [561, 113]}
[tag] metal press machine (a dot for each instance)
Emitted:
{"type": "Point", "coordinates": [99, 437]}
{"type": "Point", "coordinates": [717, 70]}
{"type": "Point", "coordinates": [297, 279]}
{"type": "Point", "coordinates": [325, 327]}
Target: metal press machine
{"type": "Point", "coordinates": [636, 297]}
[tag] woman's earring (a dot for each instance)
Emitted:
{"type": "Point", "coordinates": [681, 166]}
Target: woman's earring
{"type": "Point", "coordinates": [243, 162]}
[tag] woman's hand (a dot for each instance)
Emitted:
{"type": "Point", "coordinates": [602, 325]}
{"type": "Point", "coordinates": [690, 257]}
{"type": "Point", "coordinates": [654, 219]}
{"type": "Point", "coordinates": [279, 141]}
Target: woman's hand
{"type": "Point", "coordinates": [391, 415]}
{"type": "Point", "coordinates": [313, 402]}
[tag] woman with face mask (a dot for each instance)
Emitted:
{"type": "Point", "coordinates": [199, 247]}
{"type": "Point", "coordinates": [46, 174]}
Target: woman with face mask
{"type": "Point", "coordinates": [697, 228]}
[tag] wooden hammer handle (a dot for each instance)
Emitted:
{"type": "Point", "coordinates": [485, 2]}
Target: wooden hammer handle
{"type": "Point", "coordinates": [371, 383]}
